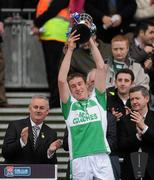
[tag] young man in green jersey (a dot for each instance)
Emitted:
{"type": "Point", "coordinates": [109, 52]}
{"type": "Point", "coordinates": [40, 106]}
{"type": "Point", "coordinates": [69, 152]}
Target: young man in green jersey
{"type": "Point", "coordinates": [85, 117]}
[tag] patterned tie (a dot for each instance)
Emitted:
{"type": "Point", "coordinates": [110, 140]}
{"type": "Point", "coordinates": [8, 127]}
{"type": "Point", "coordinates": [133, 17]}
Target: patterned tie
{"type": "Point", "coordinates": [35, 134]}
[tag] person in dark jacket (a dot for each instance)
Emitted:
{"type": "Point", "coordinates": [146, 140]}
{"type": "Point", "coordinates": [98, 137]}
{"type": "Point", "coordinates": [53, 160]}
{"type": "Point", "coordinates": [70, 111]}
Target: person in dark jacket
{"type": "Point", "coordinates": [118, 101]}
{"type": "Point", "coordinates": [142, 50]}
{"type": "Point", "coordinates": [103, 13]}
{"type": "Point", "coordinates": [30, 140]}
{"type": "Point", "coordinates": [136, 132]}
{"type": "Point", "coordinates": [52, 40]}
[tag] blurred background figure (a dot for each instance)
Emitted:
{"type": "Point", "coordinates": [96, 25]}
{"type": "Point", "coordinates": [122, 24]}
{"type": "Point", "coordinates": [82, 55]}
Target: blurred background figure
{"type": "Point", "coordinates": [51, 25]}
{"type": "Point", "coordinates": [76, 6]}
{"type": "Point", "coordinates": [145, 10]}
{"type": "Point", "coordinates": [121, 59]}
{"type": "Point", "coordinates": [142, 50]}
{"type": "Point", "coordinates": [18, 4]}
{"type": "Point", "coordinates": [82, 61]}
{"type": "Point", "coordinates": [111, 17]}
{"type": "Point", "coordinates": [3, 101]}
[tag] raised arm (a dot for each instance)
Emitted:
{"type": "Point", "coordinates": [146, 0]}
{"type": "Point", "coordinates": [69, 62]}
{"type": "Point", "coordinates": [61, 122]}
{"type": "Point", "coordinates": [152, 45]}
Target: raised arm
{"type": "Point", "coordinates": [100, 78]}
{"type": "Point", "coordinates": [64, 68]}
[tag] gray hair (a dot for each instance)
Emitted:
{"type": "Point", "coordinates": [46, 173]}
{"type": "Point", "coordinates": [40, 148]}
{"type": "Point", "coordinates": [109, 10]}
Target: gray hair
{"type": "Point", "coordinates": [142, 89]}
{"type": "Point", "coordinates": [40, 97]}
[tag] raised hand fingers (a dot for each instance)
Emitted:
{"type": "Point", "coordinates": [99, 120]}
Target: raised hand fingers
{"type": "Point", "coordinates": [71, 43]}
{"type": "Point", "coordinates": [24, 135]}
{"type": "Point", "coordinates": [24, 130]}
{"type": "Point", "coordinates": [117, 114]}
{"type": "Point", "coordinates": [73, 36]}
{"type": "Point", "coordinates": [136, 117]}
{"type": "Point", "coordinates": [127, 110]}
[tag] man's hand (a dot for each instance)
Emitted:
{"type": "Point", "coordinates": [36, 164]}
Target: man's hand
{"type": "Point", "coordinates": [35, 30]}
{"type": "Point", "coordinates": [148, 49]}
{"type": "Point", "coordinates": [116, 114]}
{"type": "Point", "coordinates": [106, 20]}
{"type": "Point", "coordinates": [116, 20]}
{"type": "Point", "coordinates": [24, 135]}
{"type": "Point", "coordinates": [127, 110]}
{"type": "Point", "coordinates": [54, 146]}
{"type": "Point", "coordinates": [148, 64]}
{"type": "Point", "coordinates": [71, 42]}
{"type": "Point", "coordinates": [138, 119]}
{"type": "Point", "coordinates": [1, 28]}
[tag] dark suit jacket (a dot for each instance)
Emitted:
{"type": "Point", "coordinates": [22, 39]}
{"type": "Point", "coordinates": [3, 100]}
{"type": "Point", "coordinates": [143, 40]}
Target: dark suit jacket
{"type": "Point", "coordinates": [114, 101]}
{"type": "Point", "coordinates": [129, 143]}
{"type": "Point", "coordinates": [0, 19]}
{"type": "Point", "coordinates": [98, 8]}
{"type": "Point", "coordinates": [12, 151]}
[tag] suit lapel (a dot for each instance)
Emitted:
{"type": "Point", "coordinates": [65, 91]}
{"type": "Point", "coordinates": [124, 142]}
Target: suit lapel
{"type": "Point", "coordinates": [148, 118]}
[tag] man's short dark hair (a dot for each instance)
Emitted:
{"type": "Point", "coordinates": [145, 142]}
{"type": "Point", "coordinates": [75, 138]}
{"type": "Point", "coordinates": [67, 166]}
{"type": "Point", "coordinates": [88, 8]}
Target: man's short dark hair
{"type": "Point", "coordinates": [126, 71]}
{"type": "Point", "coordinates": [142, 89]}
{"type": "Point", "coordinates": [76, 74]}
{"type": "Point", "coordinates": [143, 26]}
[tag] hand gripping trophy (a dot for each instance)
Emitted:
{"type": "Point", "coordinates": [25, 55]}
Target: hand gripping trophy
{"type": "Point", "coordinates": [83, 24]}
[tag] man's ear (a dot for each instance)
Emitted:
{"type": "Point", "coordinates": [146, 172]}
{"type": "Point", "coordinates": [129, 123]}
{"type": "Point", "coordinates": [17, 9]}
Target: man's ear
{"type": "Point", "coordinates": [133, 84]}
{"type": "Point", "coordinates": [148, 99]}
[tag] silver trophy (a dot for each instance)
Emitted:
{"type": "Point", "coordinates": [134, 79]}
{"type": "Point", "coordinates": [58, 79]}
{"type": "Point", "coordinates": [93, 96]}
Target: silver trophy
{"type": "Point", "coordinates": [83, 24]}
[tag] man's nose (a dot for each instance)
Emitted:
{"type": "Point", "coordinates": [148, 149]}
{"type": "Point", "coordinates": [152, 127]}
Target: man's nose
{"type": "Point", "coordinates": [133, 101]}
{"type": "Point", "coordinates": [122, 82]}
{"type": "Point", "coordinates": [77, 87]}
{"type": "Point", "coordinates": [118, 51]}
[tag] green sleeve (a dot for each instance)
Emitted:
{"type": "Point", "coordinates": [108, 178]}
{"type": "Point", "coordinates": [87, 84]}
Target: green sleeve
{"type": "Point", "coordinates": [101, 97]}
{"type": "Point", "coordinates": [66, 108]}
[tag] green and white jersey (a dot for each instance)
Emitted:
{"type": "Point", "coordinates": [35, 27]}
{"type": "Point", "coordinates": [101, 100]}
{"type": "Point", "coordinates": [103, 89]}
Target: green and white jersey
{"type": "Point", "coordinates": [87, 123]}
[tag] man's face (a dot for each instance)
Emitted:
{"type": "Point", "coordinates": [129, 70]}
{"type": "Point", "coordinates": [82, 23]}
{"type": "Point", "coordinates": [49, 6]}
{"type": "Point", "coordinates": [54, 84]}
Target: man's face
{"type": "Point", "coordinates": [78, 88]}
{"type": "Point", "coordinates": [148, 36]}
{"type": "Point", "coordinates": [138, 101]}
{"type": "Point", "coordinates": [38, 110]}
{"type": "Point", "coordinates": [123, 83]}
{"type": "Point", "coordinates": [119, 50]}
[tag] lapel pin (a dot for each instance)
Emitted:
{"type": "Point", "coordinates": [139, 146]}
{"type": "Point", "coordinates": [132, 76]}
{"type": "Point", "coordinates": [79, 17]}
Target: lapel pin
{"type": "Point", "coordinates": [42, 136]}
